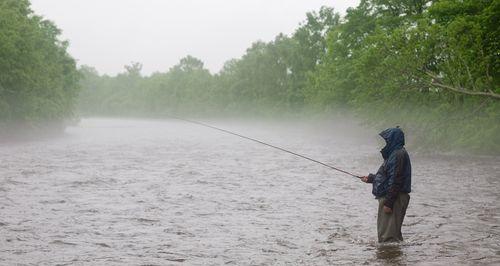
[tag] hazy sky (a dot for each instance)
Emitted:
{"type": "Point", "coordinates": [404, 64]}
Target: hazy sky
{"type": "Point", "coordinates": [108, 34]}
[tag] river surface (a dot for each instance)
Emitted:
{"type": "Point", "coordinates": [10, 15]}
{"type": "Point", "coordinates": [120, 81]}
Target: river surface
{"type": "Point", "coordinates": [166, 192]}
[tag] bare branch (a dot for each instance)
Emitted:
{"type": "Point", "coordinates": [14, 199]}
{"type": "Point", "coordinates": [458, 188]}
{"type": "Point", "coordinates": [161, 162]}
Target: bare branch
{"type": "Point", "coordinates": [436, 81]}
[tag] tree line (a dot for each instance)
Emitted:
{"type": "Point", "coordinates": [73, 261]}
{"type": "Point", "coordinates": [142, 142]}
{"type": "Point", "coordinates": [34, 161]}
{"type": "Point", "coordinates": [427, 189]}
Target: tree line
{"type": "Point", "coordinates": [430, 66]}
{"type": "Point", "coordinates": [269, 77]}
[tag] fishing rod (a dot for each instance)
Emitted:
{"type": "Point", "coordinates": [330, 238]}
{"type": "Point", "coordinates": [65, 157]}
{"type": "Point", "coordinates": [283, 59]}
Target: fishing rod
{"type": "Point", "coordinates": [269, 145]}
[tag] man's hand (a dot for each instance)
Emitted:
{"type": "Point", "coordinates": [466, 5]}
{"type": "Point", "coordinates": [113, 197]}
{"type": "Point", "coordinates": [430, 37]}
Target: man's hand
{"type": "Point", "coordinates": [387, 210]}
{"type": "Point", "coordinates": [364, 179]}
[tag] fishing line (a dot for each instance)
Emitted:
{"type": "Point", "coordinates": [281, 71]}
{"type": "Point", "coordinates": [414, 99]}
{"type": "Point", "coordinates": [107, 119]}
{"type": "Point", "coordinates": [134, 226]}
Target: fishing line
{"type": "Point", "coordinates": [269, 145]}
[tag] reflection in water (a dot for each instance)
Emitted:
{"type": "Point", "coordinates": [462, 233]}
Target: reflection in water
{"type": "Point", "coordinates": [153, 192]}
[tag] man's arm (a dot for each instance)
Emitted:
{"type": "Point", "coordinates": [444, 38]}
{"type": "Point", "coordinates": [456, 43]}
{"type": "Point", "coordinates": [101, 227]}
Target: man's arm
{"type": "Point", "coordinates": [396, 172]}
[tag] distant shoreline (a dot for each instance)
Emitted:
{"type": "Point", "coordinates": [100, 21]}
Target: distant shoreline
{"type": "Point", "coordinates": [24, 131]}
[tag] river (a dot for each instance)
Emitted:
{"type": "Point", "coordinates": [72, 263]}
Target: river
{"type": "Point", "coordinates": [166, 192]}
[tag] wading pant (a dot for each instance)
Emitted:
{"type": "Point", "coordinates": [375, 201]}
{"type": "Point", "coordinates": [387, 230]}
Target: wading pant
{"type": "Point", "coordinates": [389, 224]}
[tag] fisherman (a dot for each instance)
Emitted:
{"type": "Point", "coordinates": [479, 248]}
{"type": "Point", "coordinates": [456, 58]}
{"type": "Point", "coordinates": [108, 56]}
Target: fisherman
{"type": "Point", "coordinates": [391, 186]}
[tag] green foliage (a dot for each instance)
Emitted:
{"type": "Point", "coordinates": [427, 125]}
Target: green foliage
{"type": "Point", "coordinates": [185, 88]}
{"type": "Point", "coordinates": [38, 79]}
{"type": "Point", "coordinates": [431, 67]}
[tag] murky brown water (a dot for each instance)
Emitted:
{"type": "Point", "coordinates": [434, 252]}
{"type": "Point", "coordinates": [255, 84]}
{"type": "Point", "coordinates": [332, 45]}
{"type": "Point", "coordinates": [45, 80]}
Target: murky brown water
{"type": "Point", "coordinates": [153, 192]}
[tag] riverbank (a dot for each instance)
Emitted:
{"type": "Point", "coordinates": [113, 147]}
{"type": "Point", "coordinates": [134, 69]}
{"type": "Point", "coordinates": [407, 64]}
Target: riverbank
{"type": "Point", "coordinates": [25, 131]}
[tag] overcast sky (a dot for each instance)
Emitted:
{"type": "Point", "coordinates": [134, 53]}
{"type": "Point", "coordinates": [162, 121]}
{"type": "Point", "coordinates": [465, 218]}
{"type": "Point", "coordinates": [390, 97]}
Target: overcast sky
{"type": "Point", "coordinates": [108, 34]}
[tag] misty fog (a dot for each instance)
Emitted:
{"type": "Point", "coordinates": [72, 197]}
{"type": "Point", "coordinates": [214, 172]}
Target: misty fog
{"type": "Point", "coordinates": [239, 132]}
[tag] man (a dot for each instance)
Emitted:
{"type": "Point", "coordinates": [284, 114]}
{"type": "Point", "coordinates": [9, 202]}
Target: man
{"type": "Point", "coordinates": [391, 185]}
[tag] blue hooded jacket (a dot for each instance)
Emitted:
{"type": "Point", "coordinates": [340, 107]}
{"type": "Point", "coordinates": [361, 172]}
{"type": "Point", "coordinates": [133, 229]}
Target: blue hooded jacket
{"type": "Point", "coordinates": [394, 175]}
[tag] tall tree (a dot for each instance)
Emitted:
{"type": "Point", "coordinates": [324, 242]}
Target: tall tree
{"type": "Point", "coordinates": [38, 79]}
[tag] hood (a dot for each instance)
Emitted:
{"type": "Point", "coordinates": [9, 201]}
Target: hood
{"type": "Point", "coordinates": [394, 140]}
